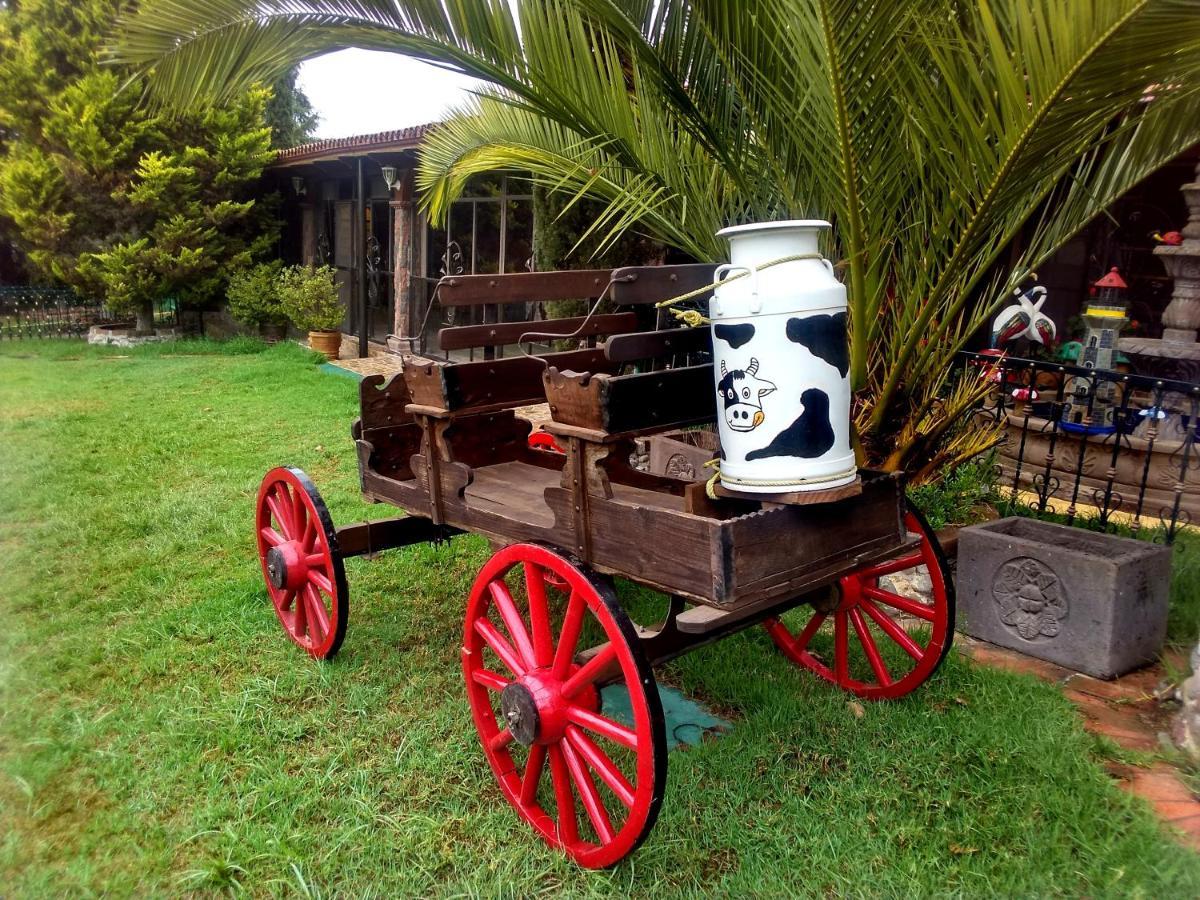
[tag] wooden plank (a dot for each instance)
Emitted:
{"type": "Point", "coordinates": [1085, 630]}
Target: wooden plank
{"type": "Point", "coordinates": [382, 400]}
{"type": "Point", "coordinates": [491, 383]}
{"type": "Point", "coordinates": [497, 334]}
{"type": "Point", "coordinates": [523, 287]}
{"type": "Point", "coordinates": [768, 550]}
{"type": "Point", "coordinates": [633, 285]}
{"type": "Point", "coordinates": [632, 404]}
{"type": "Point", "coordinates": [648, 344]}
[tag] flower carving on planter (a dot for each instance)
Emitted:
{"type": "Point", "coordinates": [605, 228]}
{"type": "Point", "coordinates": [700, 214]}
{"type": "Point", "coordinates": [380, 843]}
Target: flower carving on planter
{"type": "Point", "coordinates": [679, 466]}
{"type": "Point", "coordinates": [1031, 598]}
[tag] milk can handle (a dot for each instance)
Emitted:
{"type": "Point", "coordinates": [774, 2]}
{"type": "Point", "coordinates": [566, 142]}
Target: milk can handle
{"type": "Point", "coordinates": [720, 271]}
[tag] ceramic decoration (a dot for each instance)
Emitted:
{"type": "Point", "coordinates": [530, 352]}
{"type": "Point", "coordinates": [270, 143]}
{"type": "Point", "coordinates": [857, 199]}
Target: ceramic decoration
{"type": "Point", "coordinates": [1024, 319]}
{"type": "Point", "coordinates": [781, 363]}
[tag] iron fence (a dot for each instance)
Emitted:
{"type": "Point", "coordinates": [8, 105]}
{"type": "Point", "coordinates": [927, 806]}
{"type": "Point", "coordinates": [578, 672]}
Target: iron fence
{"type": "Point", "coordinates": [46, 312]}
{"type": "Point", "coordinates": [1121, 444]}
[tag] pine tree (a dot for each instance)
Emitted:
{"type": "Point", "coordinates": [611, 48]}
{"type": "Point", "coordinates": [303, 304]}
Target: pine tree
{"type": "Point", "coordinates": [116, 200]}
{"type": "Point", "coordinates": [289, 112]}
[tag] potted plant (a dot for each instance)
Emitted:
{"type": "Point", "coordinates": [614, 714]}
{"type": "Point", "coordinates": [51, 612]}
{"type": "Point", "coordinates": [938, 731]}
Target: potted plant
{"type": "Point", "coordinates": [309, 296]}
{"type": "Point", "coordinates": [253, 296]}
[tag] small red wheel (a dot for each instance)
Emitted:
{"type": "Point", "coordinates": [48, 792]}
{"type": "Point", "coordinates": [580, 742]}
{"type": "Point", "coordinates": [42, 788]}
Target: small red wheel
{"type": "Point", "coordinates": [885, 640]}
{"type": "Point", "coordinates": [535, 699]}
{"type": "Point", "coordinates": [301, 562]}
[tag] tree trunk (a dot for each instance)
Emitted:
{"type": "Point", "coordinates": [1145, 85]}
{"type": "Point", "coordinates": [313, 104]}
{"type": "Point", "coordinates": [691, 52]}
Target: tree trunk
{"type": "Point", "coordinates": [145, 318]}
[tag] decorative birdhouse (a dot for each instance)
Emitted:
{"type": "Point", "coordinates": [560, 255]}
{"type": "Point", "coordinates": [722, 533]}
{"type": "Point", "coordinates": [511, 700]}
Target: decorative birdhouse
{"type": "Point", "coordinates": [1089, 401]}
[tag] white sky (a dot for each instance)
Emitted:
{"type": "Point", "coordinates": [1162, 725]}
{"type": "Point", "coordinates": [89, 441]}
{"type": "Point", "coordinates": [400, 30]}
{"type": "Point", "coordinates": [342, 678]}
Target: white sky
{"type": "Point", "coordinates": [362, 91]}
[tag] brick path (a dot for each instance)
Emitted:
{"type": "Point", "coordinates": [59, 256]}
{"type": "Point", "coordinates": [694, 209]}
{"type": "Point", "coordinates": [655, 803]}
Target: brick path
{"type": "Point", "coordinates": [1127, 711]}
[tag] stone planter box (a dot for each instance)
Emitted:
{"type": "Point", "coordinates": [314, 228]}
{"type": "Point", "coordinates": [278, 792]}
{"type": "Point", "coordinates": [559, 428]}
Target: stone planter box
{"type": "Point", "coordinates": [1095, 603]}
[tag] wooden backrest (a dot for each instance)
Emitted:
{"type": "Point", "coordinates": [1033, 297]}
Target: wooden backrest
{"type": "Point", "coordinates": [636, 285]}
{"type": "Point", "coordinates": [490, 384]}
{"type": "Point", "coordinates": [522, 287]}
{"type": "Point", "coordinates": [499, 334]}
{"type": "Point", "coordinates": [641, 403]}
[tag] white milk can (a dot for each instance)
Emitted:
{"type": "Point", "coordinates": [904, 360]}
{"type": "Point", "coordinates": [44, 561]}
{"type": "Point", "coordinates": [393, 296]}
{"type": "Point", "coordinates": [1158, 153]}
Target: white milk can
{"type": "Point", "coordinates": [781, 363]}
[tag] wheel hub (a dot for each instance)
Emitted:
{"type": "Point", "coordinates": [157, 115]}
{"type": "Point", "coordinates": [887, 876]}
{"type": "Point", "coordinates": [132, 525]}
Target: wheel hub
{"type": "Point", "coordinates": [286, 567]}
{"type": "Point", "coordinates": [276, 569]}
{"type": "Point", "coordinates": [520, 713]}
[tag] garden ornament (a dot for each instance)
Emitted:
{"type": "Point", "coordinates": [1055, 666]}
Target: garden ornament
{"type": "Point", "coordinates": [1024, 319]}
{"type": "Point", "coordinates": [781, 362]}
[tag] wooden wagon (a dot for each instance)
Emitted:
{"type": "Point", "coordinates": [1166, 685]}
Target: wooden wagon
{"type": "Point", "coordinates": [545, 639]}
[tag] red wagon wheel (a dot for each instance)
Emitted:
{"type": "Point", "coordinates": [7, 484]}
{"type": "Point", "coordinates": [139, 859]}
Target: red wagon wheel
{"type": "Point", "coordinates": [534, 654]}
{"type": "Point", "coordinates": [886, 638]}
{"type": "Point", "coordinates": [301, 562]}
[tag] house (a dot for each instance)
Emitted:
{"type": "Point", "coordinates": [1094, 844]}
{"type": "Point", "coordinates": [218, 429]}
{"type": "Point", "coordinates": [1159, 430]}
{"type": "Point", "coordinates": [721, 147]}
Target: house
{"type": "Point", "coordinates": [350, 202]}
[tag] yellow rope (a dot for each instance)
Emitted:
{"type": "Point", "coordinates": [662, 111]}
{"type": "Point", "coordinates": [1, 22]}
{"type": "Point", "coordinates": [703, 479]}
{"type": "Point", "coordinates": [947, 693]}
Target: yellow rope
{"type": "Point", "coordinates": [692, 318]}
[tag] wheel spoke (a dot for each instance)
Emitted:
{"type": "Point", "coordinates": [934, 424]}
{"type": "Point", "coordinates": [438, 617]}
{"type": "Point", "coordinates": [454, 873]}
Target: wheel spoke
{"type": "Point", "coordinates": [568, 828]}
{"type": "Point", "coordinates": [501, 739]}
{"type": "Point", "coordinates": [286, 601]}
{"type": "Point", "coordinates": [318, 618]}
{"type": "Point", "coordinates": [533, 773]}
{"type": "Point", "coordinates": [539, 614]}
{"type": "Point", "coordinates": [512, 619]}
{"type": "Point", "coordinates": [320, 580]}
{"type": "Point", "coordinates": [868, 645]}
{"type": "Point", "coordinates": [568, 638]}
{"type": "Point", "coordinates": [892, 630]}
{"type": "Point", "coordinates": [310, 533]}
{"type": "Point", "coordinates": [300, 620]}
{"type": "Point", "coordinates": [490, 679]}
{"type": "Point", "coordinates": [912, 607]}
{"type": "Point", "coordinates": [590, 671]}
{"type": "Point", "coordinates": [315, 560]}
{"type": "Point", "coordinates": [892, 566]}
{"type": "Point", "coordinates": [500, 646]}
{"type": "Point", "coordinates": [841, 649]}
{"type": "Point", "coordinates": [603, 726]}
{"type": "Point", "coordinates": [287, 504]}
{"type": "Point", "coordinates": [277, 511]}
{"type": "Point", "coordinates": [802, 639]}
{"type": "Point", "coordinates": [271, 536]}
{"type": "Point", "coordinates": [602, 764]}
{"type": "Point", "coordinates": [586, 789]}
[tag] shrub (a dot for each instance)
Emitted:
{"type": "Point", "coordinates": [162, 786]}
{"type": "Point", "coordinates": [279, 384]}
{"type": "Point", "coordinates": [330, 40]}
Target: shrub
{"type": "Point", "coordinates": [309, 297]}
{"type": "Point", "coordinates": [253, 295]}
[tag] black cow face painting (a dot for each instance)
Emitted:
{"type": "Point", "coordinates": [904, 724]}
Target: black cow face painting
{"type": "Point", "coordinates": [741, 393]}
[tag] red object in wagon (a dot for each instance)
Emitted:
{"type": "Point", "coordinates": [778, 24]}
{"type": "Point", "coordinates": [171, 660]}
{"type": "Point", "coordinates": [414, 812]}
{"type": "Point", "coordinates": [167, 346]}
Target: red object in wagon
{"type": "Point", "coordinates": [543, 440]}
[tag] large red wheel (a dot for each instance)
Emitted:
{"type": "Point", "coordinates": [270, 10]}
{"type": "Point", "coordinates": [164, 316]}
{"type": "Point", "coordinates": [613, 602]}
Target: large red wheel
{"type": "Point", "coordinates": [541, 636]}
{"type": "Point", "coordinates": [878, 639]}
{"type": "Point", "coordinates": [301, 563]}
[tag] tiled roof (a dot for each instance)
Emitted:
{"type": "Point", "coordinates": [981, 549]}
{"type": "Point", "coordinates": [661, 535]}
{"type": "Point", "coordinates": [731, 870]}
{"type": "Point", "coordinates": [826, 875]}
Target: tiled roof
{"type": "Point", "coordinates": [401, 139]}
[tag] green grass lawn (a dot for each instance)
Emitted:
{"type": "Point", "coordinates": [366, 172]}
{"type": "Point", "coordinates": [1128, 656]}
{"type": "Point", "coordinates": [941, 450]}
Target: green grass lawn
{"type": "Point", "coordinates": [158, 734]}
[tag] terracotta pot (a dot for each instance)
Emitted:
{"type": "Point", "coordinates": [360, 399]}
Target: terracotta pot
{"type": "Point", "coordinates": [327, 342]}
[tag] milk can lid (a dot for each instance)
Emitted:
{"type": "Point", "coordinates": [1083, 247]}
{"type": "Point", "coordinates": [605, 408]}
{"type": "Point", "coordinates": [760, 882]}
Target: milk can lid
{"type": "Point", "coordinates": [765, 226]}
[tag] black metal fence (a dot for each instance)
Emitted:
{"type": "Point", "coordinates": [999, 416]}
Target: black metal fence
{"type": "Point", "coordinates": [1115, 447]}
{"type": "Point", "coordinates": [47, 312]}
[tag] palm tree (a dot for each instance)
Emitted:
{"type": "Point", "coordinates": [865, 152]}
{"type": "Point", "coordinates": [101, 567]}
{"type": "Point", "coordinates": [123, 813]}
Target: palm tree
{"type": "Point", "coordinates": [933, 133]}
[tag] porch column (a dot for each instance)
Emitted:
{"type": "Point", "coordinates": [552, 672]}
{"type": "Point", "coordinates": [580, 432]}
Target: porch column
{"type": "Point", "coordinates": [308, 234]}
{"type": "Point", "coordinates": [403, 250]}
